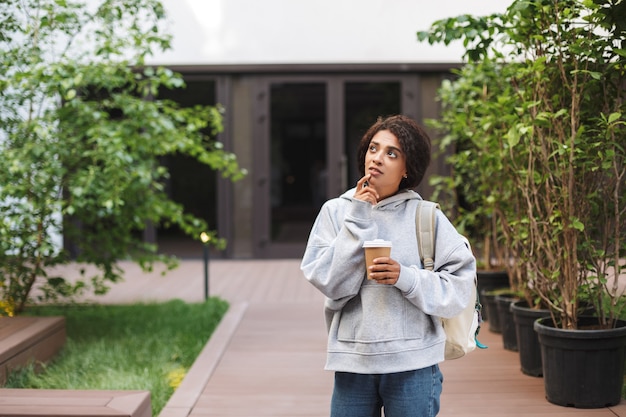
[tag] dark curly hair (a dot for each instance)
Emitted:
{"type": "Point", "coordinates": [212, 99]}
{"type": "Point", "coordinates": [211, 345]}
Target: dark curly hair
{"type": "Point", "coordinates": [414, 141]}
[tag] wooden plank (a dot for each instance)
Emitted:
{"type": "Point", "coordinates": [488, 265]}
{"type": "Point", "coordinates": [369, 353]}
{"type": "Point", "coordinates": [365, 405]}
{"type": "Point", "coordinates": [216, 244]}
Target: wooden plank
{"type": "Point", "coordinates": [273, 366]}
{"type": "Point", "coordinates": [61, 403]}
{"type": "Point", "coordinates": [11, 325]}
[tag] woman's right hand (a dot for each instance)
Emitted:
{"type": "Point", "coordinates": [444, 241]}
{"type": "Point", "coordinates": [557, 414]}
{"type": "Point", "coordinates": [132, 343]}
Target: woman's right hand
{"type": "Point", "coordinates": [365, 192]}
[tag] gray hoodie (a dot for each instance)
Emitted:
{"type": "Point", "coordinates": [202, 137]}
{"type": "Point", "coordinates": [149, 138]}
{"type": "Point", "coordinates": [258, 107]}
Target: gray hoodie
{"type": "Point", "coordinates": [376, 328]}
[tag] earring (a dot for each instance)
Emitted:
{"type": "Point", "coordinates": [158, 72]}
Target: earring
{"type": "Point", "coordinates": [406, 176]}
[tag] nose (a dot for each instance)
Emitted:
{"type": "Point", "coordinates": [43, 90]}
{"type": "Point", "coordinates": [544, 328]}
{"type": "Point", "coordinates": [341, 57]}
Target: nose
{"type": "Point", "coordinates": [377, 159]}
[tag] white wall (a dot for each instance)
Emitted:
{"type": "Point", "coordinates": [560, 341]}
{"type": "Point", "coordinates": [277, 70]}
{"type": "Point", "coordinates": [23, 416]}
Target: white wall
{"type": "Point", "coordinates": [311, 31]}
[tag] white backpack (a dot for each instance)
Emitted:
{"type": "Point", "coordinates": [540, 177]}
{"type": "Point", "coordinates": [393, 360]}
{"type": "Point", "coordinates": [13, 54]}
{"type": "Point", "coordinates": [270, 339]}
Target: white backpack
{"type": "Point", "coordinates": [462, 330]}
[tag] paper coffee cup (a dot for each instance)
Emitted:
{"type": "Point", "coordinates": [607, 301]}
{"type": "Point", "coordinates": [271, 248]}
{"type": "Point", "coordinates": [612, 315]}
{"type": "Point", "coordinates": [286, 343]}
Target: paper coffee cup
{"type": "Point", "coordinates": [375, 249]}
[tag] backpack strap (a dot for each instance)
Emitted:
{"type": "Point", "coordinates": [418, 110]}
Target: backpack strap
{"type": "Point", "coordinates": [425, 218]}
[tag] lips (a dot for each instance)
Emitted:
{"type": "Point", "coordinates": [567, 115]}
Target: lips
{"type": "Point", "coordinates": [374, 171]}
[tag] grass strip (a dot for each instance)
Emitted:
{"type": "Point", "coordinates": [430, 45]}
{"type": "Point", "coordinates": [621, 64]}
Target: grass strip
{"type": "Point", "coordinates": [126, 347]}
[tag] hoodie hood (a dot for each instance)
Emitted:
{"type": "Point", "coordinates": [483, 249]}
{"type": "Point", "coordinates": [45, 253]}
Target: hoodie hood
{"type": "Point", "coordinates": [388, 203]}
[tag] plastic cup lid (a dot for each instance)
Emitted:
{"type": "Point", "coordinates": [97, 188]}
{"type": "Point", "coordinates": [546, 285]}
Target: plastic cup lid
{"type": "Point", "coordinates": [377, 243]}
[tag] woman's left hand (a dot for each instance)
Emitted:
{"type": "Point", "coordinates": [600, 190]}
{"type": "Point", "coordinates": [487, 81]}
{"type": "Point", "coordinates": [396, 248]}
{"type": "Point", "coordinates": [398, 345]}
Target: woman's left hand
{"type": "Point", "coordinates": [384, 271]}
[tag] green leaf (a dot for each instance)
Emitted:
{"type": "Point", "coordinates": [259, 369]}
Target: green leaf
{"type": "Point", "coordinates": [513, 136]}
{"type": "Point", "coordinates": [578, 225]}
{"type": "Point", "coordinates": [613, 117]}
{"type": "Point", "coordinates": [595, 75]}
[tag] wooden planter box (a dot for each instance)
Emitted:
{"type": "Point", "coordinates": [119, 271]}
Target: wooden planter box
{"type": "Point", "coordinates": [29, 339]}
{"type": "Point", "coordinates": [25, 340]}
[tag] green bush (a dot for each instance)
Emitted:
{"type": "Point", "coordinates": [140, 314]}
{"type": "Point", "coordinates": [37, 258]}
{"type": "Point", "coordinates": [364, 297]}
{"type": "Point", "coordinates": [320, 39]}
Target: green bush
{"type": "Point", "coordinates": [83, 133]}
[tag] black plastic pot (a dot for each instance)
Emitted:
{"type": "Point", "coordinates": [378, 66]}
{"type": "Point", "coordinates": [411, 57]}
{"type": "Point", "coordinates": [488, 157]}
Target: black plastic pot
{"type": "Point", "coordinates": [507, 325]}
{"type": "Point", "coordinates": [582, 368]}
{"type": "Point", "coordinates": [490, 280]}
{"type": "Point", "coordinates": [488, 300]}
{"type": "Point", "coordinates": [527, 339]}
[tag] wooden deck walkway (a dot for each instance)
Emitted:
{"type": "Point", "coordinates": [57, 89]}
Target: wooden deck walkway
{"type": "Point", "coordinates": [267, 356]}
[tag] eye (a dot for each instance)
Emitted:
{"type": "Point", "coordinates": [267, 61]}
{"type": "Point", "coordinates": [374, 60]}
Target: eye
{"type": "Point", "coordinates": [392, 154]}
{"type": "Point", "coordinates": [372, 148]}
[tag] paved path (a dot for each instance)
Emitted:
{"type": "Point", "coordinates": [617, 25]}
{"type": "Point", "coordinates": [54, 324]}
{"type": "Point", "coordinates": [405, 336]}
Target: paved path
{"type": "Point", "coordinates": [266, 358]}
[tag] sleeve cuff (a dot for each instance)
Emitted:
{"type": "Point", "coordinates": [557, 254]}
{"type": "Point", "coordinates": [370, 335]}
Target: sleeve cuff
{"type": "Point", "coordinates": [406, 281]}
{"type": "Point", "coordinates": [361, 210]}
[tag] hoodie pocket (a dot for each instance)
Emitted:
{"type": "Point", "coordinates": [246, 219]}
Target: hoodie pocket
{"type": "Point", "coordinates": [378, 314]}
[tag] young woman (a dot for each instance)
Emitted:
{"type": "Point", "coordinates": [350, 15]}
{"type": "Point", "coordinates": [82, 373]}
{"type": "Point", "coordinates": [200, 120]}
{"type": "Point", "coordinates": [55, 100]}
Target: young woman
{"type": "Point", "coordinates": [385, 338]}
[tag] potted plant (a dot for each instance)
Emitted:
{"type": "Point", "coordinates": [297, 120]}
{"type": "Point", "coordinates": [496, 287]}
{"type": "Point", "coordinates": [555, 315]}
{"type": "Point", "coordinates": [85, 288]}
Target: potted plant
{"type": "Point", "coordinates": [564, 153]}
{"type": "Point", "coordinates": [469, 133]}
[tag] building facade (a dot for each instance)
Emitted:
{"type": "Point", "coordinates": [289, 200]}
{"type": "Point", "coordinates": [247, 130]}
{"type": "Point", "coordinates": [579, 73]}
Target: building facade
{"type": "Point", "coordinates": [293, 117]}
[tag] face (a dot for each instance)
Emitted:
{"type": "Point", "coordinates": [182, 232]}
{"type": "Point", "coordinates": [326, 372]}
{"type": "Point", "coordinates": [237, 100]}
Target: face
{"type": "Point", "coordinates": [385, 162]}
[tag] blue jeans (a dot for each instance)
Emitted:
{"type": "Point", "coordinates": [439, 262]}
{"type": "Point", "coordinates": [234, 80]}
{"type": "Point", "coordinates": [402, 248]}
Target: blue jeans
{"type": "Point", "coordinates": [404, 394]}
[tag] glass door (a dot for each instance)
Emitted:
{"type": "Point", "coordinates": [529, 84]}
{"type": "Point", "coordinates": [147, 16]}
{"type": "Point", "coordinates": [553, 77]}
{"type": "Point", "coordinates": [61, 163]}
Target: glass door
{"type": "Point", "coordinates": [297, 159]}
{"type": "Point", "coordinates": [305, 145]}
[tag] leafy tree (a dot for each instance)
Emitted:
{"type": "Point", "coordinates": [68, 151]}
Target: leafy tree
{"type": "Point", "coordinates": [555, 117]}
{"type": "Point", "coordinates": [82, 132]}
